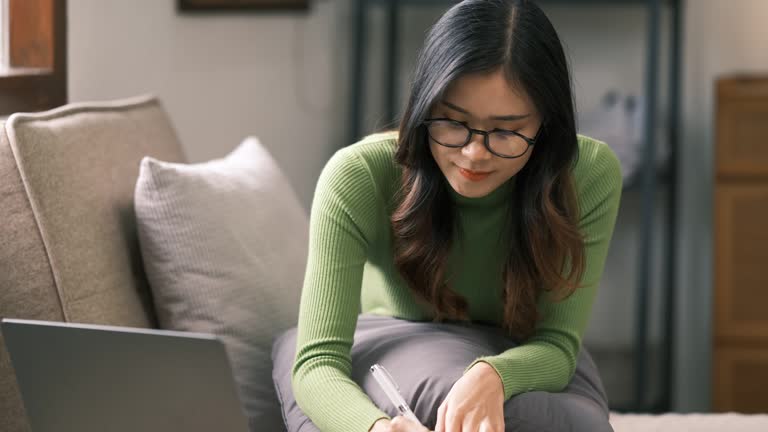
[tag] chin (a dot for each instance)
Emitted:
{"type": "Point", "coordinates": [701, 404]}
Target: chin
{"type": "Point", "coordinates": [478, 191]}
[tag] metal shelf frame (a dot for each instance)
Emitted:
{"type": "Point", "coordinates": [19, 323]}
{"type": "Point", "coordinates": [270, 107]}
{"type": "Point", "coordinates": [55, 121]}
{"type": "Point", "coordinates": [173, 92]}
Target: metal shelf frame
{"type": "Point", "coordinates": [649, 179]}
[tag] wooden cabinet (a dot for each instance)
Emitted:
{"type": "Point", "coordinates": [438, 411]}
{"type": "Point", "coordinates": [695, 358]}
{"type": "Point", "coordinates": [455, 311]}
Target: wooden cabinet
{"type": "Point", "coordinates": [740, 379]}
{"type": "Point", "coordinates": [740, 349]}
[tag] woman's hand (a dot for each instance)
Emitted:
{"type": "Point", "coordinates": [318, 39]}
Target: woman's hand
{"type": "Point", "coordinates": [474, 404]}
{"type": "Point", "coordinates": [397, 424]}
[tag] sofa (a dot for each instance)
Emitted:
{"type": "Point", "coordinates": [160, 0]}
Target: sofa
{"type": "Point", "coordinates": [68, 242]}
{"type": "Point", "coordinates": [106, 222]}
{"type": "Point", "coordinates": [69, 247]}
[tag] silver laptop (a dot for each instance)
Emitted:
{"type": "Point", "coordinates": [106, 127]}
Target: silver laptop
{"type": "Point", "coordinates": [93, 378]}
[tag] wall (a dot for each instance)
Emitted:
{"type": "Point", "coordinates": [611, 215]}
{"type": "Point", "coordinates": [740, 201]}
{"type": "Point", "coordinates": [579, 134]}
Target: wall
{"type": "Point", "coordinates": [222, 76]}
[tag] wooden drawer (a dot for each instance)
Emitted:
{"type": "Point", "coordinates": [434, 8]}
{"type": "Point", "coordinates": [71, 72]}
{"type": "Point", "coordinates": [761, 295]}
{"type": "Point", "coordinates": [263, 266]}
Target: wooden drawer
{"type": "Point", "coordinates": [741, 261]}
{"type": "Point", "coordinates": [740, 381]}
{"type": "Point", "coordinates": [742, 128]}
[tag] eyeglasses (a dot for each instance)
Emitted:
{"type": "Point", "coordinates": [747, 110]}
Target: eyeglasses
{"type": "Point", "coordinates": [501, 142]}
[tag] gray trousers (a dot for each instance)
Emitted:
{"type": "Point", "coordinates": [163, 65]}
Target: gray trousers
{"type": "Point", "coordinates": [427, 358]}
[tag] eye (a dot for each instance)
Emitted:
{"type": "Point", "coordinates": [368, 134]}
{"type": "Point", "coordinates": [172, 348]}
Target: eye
{"type": "Point", "coordinates": [505, 133]}
{"type": "Point", "coordinates": [454, 123]}
{"type": "Point", "coordinates": [449, 119]}
{"type": "Point", "coordinates": [447, 123]}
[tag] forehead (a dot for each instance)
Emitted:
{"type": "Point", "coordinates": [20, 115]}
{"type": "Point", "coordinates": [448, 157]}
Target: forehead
{"type": "Point", "coordinates": [488, 94]}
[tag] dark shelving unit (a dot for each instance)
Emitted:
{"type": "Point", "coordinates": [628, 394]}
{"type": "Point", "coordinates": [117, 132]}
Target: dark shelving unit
{"type": "Point", "coordinates": [649, 177]}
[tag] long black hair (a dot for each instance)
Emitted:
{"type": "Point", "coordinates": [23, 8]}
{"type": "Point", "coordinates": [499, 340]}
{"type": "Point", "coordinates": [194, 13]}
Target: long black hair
{"type": "Point", "coordinates": [546, 250]}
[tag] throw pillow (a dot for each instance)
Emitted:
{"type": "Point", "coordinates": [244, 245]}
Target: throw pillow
{"type": "Point", "coordinates": [224, 244]}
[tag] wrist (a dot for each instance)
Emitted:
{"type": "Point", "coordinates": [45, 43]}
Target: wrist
{"type": "Point", "coordinates": [487, 370]}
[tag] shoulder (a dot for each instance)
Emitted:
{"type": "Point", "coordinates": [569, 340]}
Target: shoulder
{"type": "Point", "coordinates": [368, 163]}
{"type": "Point", "coordinates": [365, 170]}
{"type": "Point", "coordinates": [376, 152]}
{"type": "Point", "coordinates": [373, 153]}
{"type": "Point", "coordinates": [596, 172]}
{"type": "Point", "coordinates": [596, 157]}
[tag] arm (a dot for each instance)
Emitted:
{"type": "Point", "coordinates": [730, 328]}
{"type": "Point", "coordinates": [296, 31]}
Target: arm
{"type": "Point", "coordinates": [547, 360]}
{"type": "Point", "coordinates": [343, 221]}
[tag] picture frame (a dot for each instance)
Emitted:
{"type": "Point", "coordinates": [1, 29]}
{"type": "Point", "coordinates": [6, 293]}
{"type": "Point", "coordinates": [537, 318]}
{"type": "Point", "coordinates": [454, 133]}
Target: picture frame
{"type": "Point", "coordinates": [241, 5]}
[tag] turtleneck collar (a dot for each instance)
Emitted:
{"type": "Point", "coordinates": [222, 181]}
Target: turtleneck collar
{"type": "Point", "coordinates": [497, 197]}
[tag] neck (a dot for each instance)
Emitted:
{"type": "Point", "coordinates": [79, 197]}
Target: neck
{"type": "Point", "coordinates": [495, 198]}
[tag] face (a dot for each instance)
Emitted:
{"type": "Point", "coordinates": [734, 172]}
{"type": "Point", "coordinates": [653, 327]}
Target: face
{"type": "Point", "coordinates": [485, 102]}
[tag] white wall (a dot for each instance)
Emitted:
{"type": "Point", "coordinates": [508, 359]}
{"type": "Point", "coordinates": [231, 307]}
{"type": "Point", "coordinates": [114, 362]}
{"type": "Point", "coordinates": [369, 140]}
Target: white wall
{"type": "Point", "coordinates": [221, 77]}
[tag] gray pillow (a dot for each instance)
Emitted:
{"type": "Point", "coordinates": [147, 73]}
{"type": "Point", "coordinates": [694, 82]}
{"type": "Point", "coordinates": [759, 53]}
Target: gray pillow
{"type": "Point", "coordinates": [224, 245]}
{"type": "Point", "coordinates": [401, 346]}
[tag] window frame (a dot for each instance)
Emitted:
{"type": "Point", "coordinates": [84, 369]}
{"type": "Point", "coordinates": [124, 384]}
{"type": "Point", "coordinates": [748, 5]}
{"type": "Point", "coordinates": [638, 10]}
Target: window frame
{"type": "Point", "coordinates": [37, 78]}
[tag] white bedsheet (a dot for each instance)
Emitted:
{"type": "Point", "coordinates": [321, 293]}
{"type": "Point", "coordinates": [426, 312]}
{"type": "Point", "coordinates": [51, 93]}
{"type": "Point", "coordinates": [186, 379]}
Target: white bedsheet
{"type": "Point", "coordinates": [730, 422]}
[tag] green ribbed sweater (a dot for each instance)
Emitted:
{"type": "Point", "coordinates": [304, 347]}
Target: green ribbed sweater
{"type": "Point", "coordinates": [350, 265]}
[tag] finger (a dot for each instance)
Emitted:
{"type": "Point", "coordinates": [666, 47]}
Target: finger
{"type": "Point", "coordinates": [404, 424]}
{"type": "Point", "coordinates": [453, 421]}
{"type": "Point", "coordinates": [500, 426]}
{"type": "Point", "coordinates": [414, 426]}
{"type": "Point", "coordinates": [469, 424]}
{"type": "Point", "coordinates": [420, 428]}
{"type": "Point", "coordinates": [487, 427]}
{"type": "Point", "coordinates": [399, 424]}
{"type": "Point", "coordinates": [440, 425]}
{"type": "Point", "coordinates": [490, 426]}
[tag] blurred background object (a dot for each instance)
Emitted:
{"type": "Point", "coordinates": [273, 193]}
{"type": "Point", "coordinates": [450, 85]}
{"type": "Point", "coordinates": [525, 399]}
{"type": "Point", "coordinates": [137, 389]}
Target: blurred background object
{"type": "Point", "coordinates": [619, 121]}
{"type": "Point", "coordinates": [740, 362]}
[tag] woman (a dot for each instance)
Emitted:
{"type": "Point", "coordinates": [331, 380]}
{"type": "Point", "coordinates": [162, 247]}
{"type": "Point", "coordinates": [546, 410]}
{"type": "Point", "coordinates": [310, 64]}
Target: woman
{"type": "Point", "coordinates": [484, 222]}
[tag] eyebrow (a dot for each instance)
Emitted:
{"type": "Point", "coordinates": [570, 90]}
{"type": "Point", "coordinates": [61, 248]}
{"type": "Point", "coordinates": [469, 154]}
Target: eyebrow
{"type": "Point", "coordinates": [510, 117]}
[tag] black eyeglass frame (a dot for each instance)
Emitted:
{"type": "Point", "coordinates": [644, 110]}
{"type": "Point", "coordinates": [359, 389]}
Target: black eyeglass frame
{"type": "Point", "coordinates": [485, 134]}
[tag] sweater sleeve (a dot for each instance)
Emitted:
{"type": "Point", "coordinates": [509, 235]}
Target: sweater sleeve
{"type": "Point", "coordinates": [343, 223]}
{"type": "Point", "coordinates": [547, 361]}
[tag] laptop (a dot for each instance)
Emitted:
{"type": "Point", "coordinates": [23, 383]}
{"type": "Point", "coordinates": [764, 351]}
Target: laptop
{"type": "Point", "coordinates": [95, 378]}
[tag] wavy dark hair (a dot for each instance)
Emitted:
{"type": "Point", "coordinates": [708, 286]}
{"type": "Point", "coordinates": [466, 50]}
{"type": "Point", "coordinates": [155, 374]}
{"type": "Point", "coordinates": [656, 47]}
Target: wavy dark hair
{"type": "Point", "coordinates": [546, 250]}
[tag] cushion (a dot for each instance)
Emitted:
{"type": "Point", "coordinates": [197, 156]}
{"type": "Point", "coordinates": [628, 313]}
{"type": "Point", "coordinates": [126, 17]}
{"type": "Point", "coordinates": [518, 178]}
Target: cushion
{"type": "Point", "coordinates": [68, 245]}
{"type": "Point", "coordinates": [402, 346]}
{"type": "Point", "coordinates": [224, 244]}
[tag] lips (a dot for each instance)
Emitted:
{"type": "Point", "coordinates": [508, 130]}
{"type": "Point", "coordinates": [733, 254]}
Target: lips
{"type": "Point", "coordinates": [474, 175]}
{"type": "Point", "coordinates": [475, 172]}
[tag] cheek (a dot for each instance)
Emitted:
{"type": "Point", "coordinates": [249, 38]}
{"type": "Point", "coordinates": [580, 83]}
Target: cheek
{"type": "Point", "coordinates": [438, 154]}
{"type": "Point", "coordinates": [512, 166]}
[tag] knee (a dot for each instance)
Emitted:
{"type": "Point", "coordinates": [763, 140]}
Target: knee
{"type": "Point", "coordinates": [555, 412]}
{"type": "Point", "coordinates": [427, 394]}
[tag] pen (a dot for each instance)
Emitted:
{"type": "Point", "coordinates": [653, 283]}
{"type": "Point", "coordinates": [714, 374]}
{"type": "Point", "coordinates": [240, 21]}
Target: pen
{"type": "Point", "coordinates": [391, 388]}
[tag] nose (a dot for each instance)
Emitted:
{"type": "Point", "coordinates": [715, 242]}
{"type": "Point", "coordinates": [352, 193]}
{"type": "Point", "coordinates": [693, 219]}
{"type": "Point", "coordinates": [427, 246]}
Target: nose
{"type": "Point", "coordinates": [475, 149]}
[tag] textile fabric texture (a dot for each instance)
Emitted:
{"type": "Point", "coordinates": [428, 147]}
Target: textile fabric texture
{"type": "Point", "coordinates": [224, 246]}
{"type": "Point", "coordinates": [425, 359]}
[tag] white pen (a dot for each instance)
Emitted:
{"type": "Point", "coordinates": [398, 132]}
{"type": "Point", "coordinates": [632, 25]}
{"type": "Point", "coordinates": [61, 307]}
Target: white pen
{"type": "Point", "coordinates": [391, 389]}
